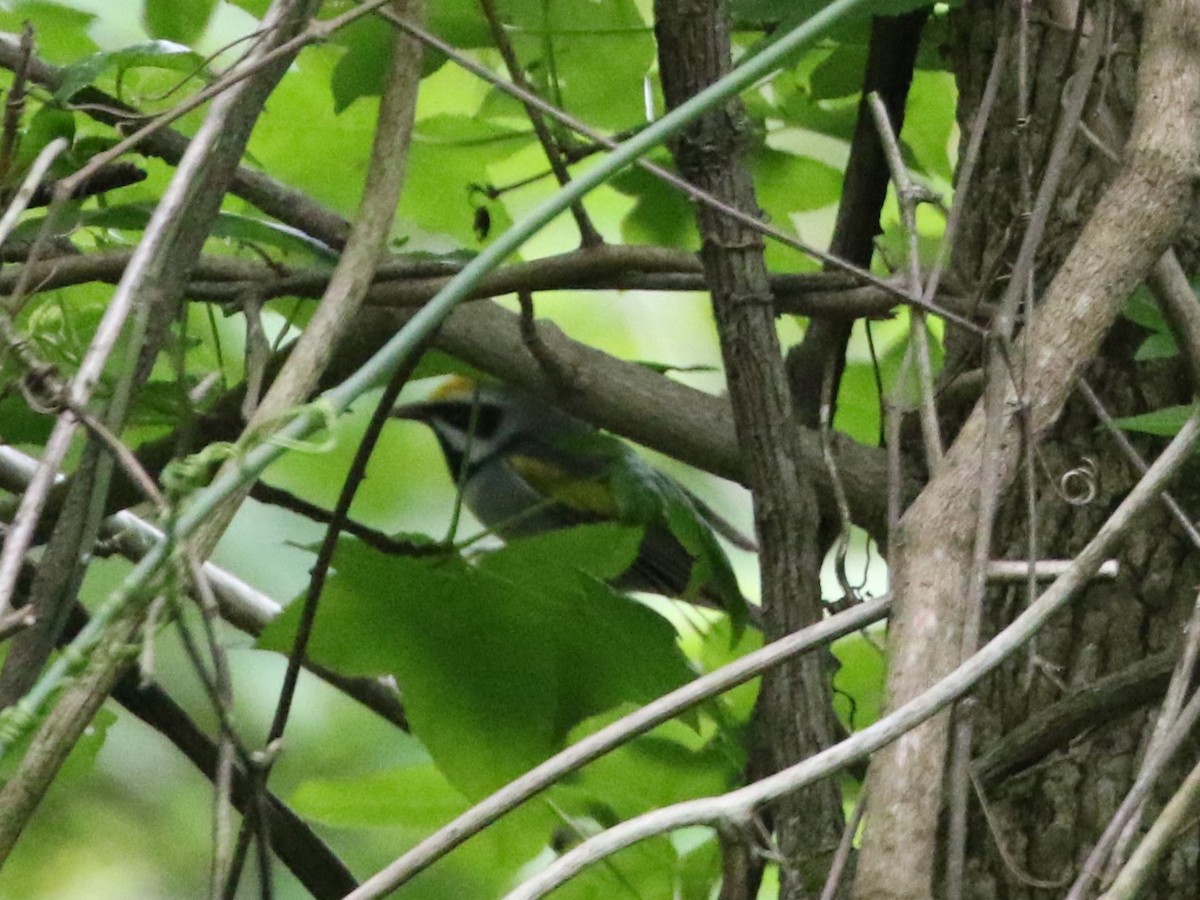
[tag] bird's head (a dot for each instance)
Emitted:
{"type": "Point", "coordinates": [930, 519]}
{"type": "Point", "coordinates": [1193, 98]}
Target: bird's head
{"type": "Point", "coordinates": [477, 421]}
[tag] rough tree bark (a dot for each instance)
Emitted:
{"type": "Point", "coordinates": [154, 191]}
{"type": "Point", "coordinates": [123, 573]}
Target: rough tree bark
{"type": "Point", "coordinates": [1108, 225]}
{"type": "Point", "coordinates": [694, 51]}
{"type": "Point", "coordinates": [1048, 815]}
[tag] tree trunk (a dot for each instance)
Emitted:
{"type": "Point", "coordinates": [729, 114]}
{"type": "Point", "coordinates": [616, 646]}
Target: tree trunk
{"type": "Point", "coordinates": [1046, 811]}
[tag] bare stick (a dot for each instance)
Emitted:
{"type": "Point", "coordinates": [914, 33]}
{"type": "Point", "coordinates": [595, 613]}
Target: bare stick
{"type": "Point", "coordinates": [908, 196]}
{"type": "Point", "coordinates": [1174, 818]}
{"type": "Point", "coordinates": [1152, 767]}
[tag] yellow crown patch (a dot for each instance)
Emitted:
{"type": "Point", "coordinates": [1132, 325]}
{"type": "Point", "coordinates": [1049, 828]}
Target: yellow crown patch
{"type": "Point", "coordinates": [456, 387]}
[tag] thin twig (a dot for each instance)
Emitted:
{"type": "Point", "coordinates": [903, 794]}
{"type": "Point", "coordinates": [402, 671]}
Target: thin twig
{"type": "Point", "coordinates": [965, 173]}
{"type": "Point", "coordinates": [405, 283]}
{"type": "Point", "coordinates": [908, 196]}
{"type": "Point", "coordinates": [835, 479]}
{"type": "Point", "coordinates": [1152, 767]}
{"type": "Point", "coordinates": [1171, 822]}
{"type": "Point", "coordinates": [842, 855]}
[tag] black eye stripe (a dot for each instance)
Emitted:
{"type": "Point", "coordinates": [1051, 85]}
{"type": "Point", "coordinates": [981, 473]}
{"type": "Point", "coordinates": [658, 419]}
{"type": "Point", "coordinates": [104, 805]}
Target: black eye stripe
{"type": "Point", "coordinates": [458, 416]}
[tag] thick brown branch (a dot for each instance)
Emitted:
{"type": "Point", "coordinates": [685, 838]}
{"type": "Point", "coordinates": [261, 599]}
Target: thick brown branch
{"type": "Point", "coordinates": [694, 51]}
{"type": "Point", "coordinates": [403, 283]}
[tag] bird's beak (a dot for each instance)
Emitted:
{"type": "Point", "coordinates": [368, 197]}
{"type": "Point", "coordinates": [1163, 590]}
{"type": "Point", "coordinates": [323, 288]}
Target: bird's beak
{"type": "Point", "coordinates": [414, 412]}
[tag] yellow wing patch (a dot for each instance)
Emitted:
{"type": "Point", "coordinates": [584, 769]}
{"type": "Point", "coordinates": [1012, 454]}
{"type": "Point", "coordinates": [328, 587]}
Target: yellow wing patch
{"type": "Point", "coordinates": [585, 495]}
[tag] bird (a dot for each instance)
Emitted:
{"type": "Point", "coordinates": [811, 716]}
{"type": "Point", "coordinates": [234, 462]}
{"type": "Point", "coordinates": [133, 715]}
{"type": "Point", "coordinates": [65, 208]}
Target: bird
{"type": "Point", "coordinates": [525, 467]}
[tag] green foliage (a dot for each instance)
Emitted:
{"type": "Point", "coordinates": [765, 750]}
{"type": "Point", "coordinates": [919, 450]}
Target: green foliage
{"type": "Point", "coordinates": [360, 71]}
{"type": "Point", "coordinates": [47, 124]}
{"type": "Point", "coordinates": [505, 657]}
{"type": "Point", "coordinates": [859, 680]}
{"type": "Point", "coordinates": [174, 21]}
{"type": "Point", "coordinates": [560, 42]}
{"type": "Point", "coordinates": [499, 659]}
{"type": "Point", "coordinates": [1163, 422]}
{"type": "Point", "coordinates": [159, 54]}
{"type": "Point", "coordinates": [242, 229]}
{"type": "Point", "coordinates": [1160, 343]}
{"type": "Point", "coordinates": [60, 32]}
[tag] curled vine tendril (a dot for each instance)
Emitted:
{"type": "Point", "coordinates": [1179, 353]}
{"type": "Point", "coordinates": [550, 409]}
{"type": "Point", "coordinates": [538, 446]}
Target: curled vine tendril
{"type": "Point", "coordinates": [1078, 485]}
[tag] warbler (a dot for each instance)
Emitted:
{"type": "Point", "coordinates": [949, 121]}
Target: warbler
{"type": "Point", "coordinates": [526, 467]}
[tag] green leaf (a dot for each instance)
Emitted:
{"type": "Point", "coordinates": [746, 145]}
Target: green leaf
{"type": "Point", "coordinates": [559, 42]}
{"type": "Point", "coordinates": [256, 8]}
{"type": "Point", "coordinates": [460, 23]}
{"type": "Point", "coordinates": [840, 74]}
{"type": "Point", "coordinates": [602, 551]}
{"type": "Point", "coordinates": [175, 21]}
{"type": "Point", "coordinates": [929, 122]}
{"type": "Point", "coordinates": [656, 771]}
{"type": "Point", "coordinates": [61, 34]}
{"type": "Point", "coordinates": [459, 149]}
{"type": "Point", "coordinates": [1157, 346]}
{"type": "Point", "coordinates": [788, 182]}
{"type": "Point", "coordinates": [859, 682]}
{"type": "Point", "coordinates": [20, 424]}
{"type": "Point", "coordinates": [362, 68]}
{"type": "Point", "coordinates": [47, 124]}
{"type": "Point", "coordinates": [150, 55]}
{"type": "Point", "coordinates": [1142, 308]}
{"type": "Point", "coordinates": [252, 230]}
{"type": "Point", "coordinates": [1165, 422]}
{"type": "Point", "coordinates": [858, 404]}
{"type": "Point", "coordinates": [414, 800]}
{"type": "Point", "coordinates": [233, 226]}
{"type": "Point", "coordinates": [662, 215]}
{"type": "Point", "coordinates": [796, 106]}
{"type": "Point", "coordinates": [497, 661]}
{"type": "Point", "coordinates": [416, 797]}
